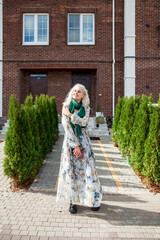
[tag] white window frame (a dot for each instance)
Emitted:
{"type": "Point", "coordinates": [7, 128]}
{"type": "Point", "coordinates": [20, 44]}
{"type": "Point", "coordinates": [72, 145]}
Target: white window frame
{"type": "Point", "coordinates": [81, 29]}
{"type": "Point", "coordinates": [36, 29]}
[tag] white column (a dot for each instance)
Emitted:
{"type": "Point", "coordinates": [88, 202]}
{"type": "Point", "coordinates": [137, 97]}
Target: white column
{"type": "Point", "coordinates": [1, 55]}
{"type": "Point", "coordinates": [129, 48]}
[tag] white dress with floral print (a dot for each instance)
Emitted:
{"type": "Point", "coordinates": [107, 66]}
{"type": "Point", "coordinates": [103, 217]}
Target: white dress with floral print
{"type": "Point", "coordinates": [78, 180]}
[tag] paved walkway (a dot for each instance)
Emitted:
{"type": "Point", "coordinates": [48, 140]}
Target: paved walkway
{"type": "Point", "coordinates": [128, 209]}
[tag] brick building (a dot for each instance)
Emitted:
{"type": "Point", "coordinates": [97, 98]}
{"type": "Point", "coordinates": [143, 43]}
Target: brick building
{"type": "Point", "coordinates": [110, 46]}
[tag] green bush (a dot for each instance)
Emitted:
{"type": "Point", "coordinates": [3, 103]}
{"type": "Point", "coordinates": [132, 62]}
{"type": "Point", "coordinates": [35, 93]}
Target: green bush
{"type": "Point", "coordinates": [137, 131]}
{"type": "Point", "coordinates": [121, 120]}
{"type": "Point", "coordinates": [151, 168]}
{"type": "Point", "coordinates": [30, 137]}
{"type": "Point", "coordinates": [129, 109]}
{"type": "Point", "coordinates": [26, 158]}
{"type": "Point", "coordinates": [100, 119]}
{"type": "Point", "coordinates": [55, 114]}
{"type": "Point", "coordinates": [139, 134]}
{"type": "Point", "coordinates": [116, 120]}
{"type": "Point", "coordinates": [48, 124]}
{"type": "Point", "coordinates": [159, 101]}
{"type": "Point", "coordinates": [39, 109]}
{"type": "Point", "coordinates": [29, 107]}
{"type": "Point", "coordinates": [13, 139]}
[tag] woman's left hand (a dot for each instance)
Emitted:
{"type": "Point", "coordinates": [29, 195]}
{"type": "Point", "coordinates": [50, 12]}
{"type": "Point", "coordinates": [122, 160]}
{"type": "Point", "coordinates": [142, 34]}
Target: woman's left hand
{"type": "Point", "coordinates": [67, 112]}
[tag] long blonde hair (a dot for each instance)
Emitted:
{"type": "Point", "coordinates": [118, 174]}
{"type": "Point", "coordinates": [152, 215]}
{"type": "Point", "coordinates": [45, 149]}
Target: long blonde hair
{"type": "Point", "coordinates": [85, 100]}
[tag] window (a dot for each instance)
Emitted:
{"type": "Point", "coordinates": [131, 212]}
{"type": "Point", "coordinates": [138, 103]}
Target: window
{"type": "Point", "coordinates": [35, 29]}
{"type": "Point", "coordinates": [81, 29]}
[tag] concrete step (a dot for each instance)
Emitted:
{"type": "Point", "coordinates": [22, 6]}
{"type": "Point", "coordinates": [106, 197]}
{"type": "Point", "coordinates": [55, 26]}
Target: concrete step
{"type": "Point", "coordinates": [91, 129]}
{"type": "Point", "coordinates": [5, 127]}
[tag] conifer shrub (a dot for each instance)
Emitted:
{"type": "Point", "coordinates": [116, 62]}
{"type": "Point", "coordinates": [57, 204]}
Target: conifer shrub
{"type": "Point", "coordinates": [34, 128]}
{"type": "Point", "coordinates": [27, 157]}
{"type": "Point", "coordinates": [151, 163]}
{"type": "Point", "coordinates": [139, 134]}
{"type": "Point", "coordinates": [55, 114]}
{"type": "Point", "coordinates": [159, 101]}
{"type": "Point", "coordinates": [45, 112]}
{"type": "Point", "coordinates": [13, 139]}
{"type": "Point", "coordinates": [39, 109]}
{"type": "Point", "coordinates": [30, 137]}
{"type": "Point", "coordinates": [21, 156]}
{"type": "Point", "coordinates": [48, 116]}
{"type": "Point", "coordinates": [52, 120]}
{"type": "Point", "coordinates": [116, 120]}
{"type": "Point", "coordinates": [126, 123]}
{"type": "Point", "coordinates": [119, 132]}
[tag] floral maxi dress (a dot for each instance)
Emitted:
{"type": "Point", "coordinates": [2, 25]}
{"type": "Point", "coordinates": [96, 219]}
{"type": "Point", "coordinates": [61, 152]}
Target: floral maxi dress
{"type": "Point", "coordinates": [78, 180]}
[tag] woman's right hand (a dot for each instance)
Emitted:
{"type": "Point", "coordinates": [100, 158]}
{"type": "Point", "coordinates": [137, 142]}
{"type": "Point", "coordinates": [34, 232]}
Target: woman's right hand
{"type": "Point", "coordinates": [77, 151]}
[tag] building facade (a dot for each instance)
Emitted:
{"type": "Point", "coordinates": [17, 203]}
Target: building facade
{"type": "Point", "coordinates": [110, 46]}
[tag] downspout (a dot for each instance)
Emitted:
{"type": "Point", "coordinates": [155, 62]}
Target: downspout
{"type": "Point", "coordinates": [1, 55]}
{"type": "Point", "coordinates": [113, 58]}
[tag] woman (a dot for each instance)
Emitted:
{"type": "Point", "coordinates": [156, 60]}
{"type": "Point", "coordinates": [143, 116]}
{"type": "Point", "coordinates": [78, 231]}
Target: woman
{"type": "Point", "coordinates": [78, 181]}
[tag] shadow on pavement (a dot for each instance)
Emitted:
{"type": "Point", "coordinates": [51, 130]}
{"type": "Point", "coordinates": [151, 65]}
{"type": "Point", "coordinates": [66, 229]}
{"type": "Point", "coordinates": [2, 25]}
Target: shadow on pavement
{"type": "Point", "coordinates": [119, 216]}
{"type": "Point", "coordinates": [115, 214]}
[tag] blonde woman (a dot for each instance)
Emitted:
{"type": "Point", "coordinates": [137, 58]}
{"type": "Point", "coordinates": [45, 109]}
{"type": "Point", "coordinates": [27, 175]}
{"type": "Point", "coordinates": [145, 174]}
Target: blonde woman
{"type": "Point", "coordinates": [78, 180]}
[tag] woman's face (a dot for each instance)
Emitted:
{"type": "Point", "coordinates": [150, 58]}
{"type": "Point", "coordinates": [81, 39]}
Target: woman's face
{"type": "Point", "coordinates": [78, 94]}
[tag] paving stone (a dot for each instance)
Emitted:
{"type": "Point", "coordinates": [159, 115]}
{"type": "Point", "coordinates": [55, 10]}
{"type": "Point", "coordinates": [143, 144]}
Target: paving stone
{"type": "Point", "coordinates": [6, 237]}
{"type": "Point", "coordinates": [7, 226]}
{"type": "Point", "coordinates": [15, 232]}
{"type": "Point", "coordinates": [34, 238]}
{"type": "Point", "coordinates": [122, 214]}
{"type": "Point", "coordinates": [6, 232]}
{"type": "Point", "coordinates": [43, 238]}
{"type": "Point", "coordinates": [25, 238]}
{"type": "Point", "coordinates": [16, 238]}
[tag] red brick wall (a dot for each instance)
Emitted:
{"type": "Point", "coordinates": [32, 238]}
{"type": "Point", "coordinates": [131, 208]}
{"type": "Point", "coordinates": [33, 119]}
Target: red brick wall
{"type": "Point", "coordinates": [24, 85]}
{"type": "Point", "coordinates": [119, 50]}
{"type": "Point", "coordinates": [59, 84]}
{"type": "Point", "coordinates": [11, 84]}
{"type": "Point", "coordinates": [59, 54]}
{"type": "Point", "coordinates": [147, 48]}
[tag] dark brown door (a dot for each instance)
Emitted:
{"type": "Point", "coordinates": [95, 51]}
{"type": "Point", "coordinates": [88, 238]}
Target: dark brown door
{"type": "Point", "coordinates": [82, 78]}
{"type": "Point", "coordinates": [38, 84]}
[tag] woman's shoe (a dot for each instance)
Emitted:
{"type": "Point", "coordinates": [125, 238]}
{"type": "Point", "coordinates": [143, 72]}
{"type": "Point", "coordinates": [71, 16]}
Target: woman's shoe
{"type": "Point", "coordinates": [95, 208]}
{"type": "Point", "coordinates": [72, 208]}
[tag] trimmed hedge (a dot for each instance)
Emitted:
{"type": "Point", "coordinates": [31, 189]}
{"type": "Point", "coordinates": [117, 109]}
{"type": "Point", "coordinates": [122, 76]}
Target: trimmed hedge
{"type": "Point", "coordinates": [136, 129]}
{"type": "Point", "coordinates": [140, 131]}
{"type": "Point", "coordinates": [116, 120]}
{"type": "Point", "coordinates": [124, 130]}
{"type": "Point", "coordinates": [31, 134]}
{"type": "Point", "coordinates": [151, 167]}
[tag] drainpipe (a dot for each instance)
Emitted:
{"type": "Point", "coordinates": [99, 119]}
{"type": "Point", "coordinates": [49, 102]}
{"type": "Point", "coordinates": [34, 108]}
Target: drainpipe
{"type": "Point", "coordinates": [113, 58]}
{"type": "Point", "coordinates": [1, 54]}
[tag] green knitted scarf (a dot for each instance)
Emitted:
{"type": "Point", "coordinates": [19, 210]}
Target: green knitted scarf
{"type": "Point", "coordinates": [74, 105]}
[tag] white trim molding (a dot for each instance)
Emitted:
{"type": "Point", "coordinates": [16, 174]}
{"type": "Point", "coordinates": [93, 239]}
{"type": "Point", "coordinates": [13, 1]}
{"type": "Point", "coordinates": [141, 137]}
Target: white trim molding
{"type": "Point", "coordinates": [129, 48]}
{"type": "Point", "coordinates": [1, 57]}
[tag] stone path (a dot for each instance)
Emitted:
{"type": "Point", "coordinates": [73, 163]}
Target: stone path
{"type": "Point", "coordinates": [4, 181]}
{"type": "Point", "coordinates": [47, 176]}
{"type": "Point", "coordinates": [128, 209]}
